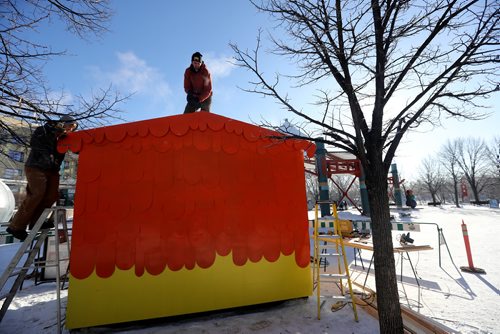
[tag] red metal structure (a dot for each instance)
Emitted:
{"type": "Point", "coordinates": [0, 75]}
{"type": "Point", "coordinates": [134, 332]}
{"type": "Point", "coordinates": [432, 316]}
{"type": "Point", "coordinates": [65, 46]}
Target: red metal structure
{"type": "Point", "coordinates": [341, 163]}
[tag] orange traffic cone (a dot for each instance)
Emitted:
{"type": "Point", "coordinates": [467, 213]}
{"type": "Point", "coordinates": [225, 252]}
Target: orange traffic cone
{"type": "Point", "coordinates": [470, 268]}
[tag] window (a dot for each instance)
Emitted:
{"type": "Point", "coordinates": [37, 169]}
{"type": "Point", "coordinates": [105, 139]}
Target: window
{"type": "Point", "coordinates": [12, 173]}
{"type": "Point", "coordinates": [15, 188]}
{"type": "Point", "coordinates": [16, 155]}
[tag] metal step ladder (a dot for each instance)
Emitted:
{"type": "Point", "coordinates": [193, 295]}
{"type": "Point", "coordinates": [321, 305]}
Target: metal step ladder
{"type": "Point", "coordinates": [29, 249]}
{"type": "Point", "coordinates": [331, 246]}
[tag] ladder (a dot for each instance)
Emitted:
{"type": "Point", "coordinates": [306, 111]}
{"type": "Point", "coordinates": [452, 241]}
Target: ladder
{"type": "Point", "coordinates": [31, 247]}
{"type": "Point", "coordinates": [331, 245]}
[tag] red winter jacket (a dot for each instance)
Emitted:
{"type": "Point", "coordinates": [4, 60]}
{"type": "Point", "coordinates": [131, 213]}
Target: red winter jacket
{"type": "Point", "coordinates": [198, 83]}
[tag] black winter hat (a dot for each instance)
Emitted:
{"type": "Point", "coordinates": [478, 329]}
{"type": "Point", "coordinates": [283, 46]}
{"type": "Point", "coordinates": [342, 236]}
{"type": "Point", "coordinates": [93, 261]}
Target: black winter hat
{"type": "Point", "coordinates": [196, 55]}
{"type": "Point", "coordinates": [66, 119]}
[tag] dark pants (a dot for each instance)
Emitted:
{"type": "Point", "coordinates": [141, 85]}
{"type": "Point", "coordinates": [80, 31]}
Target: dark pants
{"type": "Point", "coordinates": [41, 192]}
{"type": "Point", "coordinates": [192, 107]}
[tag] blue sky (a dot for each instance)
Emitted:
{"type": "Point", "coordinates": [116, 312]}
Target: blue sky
{"type": "Point", "coordinates": [149, 46]}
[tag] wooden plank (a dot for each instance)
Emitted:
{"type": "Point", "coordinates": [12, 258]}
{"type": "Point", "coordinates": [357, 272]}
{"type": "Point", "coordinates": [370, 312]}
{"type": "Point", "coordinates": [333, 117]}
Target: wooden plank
{"type": "Point", "coordinates": [413, 322]}
{"type": "Point", "coordinates": [412, 248]}
{"type": "Point", "coordinates": [365, 225]}
{"type": "Point", "coordinates": [369, 246]}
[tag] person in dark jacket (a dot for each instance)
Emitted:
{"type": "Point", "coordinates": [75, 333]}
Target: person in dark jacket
{"type": "Point", "coordinates": [410, 199]}
{"type": "Point", "coordinates": [197, 85]}
{"type": "Point", "coordinates": [42, 172]}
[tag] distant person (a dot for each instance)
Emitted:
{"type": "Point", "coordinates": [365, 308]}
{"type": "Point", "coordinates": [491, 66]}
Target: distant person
{"type": "Point", "coordinates": [197, 85]}
{"type": "Point", "coordinates": [42, 172]}
{"type": "Point", "coordinates": [410, 199]}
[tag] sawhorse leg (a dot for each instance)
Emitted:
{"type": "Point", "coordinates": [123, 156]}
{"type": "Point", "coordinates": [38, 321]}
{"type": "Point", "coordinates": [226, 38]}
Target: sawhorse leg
{"type": "Point", "coordinates": [368, 272]}
{"type": "Point", "coordinates": [414, 275]}
{"type": "Point", "coordinates": [412, 268]}
{"type": "Point", "coordinates": [360, 258]}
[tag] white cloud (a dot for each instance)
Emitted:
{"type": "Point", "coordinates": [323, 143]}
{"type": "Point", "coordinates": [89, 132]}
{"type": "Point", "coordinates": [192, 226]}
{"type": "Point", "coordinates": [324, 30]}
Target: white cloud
{"type": "Point", "coordinates": [134, 75]}
{"type": "Point", "coordinates": [219, 66]}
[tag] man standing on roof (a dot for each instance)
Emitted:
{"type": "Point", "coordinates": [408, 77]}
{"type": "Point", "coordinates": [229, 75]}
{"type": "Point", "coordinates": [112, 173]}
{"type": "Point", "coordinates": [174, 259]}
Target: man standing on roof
{"type": "Point", "coordinates": [42, 173]}
{"type": "Point", "coordinates": [197, 85]}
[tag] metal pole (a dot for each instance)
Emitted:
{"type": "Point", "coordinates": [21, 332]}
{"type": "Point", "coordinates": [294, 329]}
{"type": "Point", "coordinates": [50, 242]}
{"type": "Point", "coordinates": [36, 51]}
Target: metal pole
{"type": "Point", "coordinates": [59, 212]}
{"type": "Point", "coordinates": [439, 244]}
{"type": "Point", "coordinates": [446, 244]}
{"type": "Point", "coordinates": [322, 178]}
{"type": "Point", "coordinates": [365, 205]}
{"type": "Point", "coordinates": [397, 190]}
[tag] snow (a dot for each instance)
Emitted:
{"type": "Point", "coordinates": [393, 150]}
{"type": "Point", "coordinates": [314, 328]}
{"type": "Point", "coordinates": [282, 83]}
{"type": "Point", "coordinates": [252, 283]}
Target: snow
{"type": "Point", "coordinates": [464, 302]}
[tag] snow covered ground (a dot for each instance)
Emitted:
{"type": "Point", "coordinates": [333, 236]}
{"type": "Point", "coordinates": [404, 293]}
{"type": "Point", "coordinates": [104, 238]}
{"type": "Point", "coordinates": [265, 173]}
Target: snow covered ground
{"type": "Point", "coordinates": [464, 302]}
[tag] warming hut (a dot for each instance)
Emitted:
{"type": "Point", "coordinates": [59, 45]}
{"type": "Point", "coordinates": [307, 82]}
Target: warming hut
{"type": "Point", "coordinates": [185, 214]}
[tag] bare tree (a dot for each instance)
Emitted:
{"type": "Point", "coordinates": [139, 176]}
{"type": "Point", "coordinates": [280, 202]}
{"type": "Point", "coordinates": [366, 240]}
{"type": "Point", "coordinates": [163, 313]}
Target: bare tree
{"type": "Point", "coordinates": [312, 186]}
{"type": "Point", "coordinates": [494, 153]}
{"type": "Point", "coordinates": [338, 182]}
{"type": "Point", "coordinates": [421, 191]}
{"type": "Point", "coordinates": [381, 69]}
{"type": "Point", "coordinates": [431, 176]}
{"type": "Point", "coordinates": [447, 190]}
{"type": "Point", "coordinates": [474, 161]}
{"type": "Point", "coordinates": [449, 160]}
{"type": "Point", "coordinates": [24, 93]}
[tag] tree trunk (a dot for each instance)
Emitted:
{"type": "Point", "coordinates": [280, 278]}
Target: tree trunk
{"type": "Point", "coordinates": [389, 309]}
{"type": "Point", "coordinates": [475, 192]}
{"type": "Point", "coordinates": [455, 188]}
